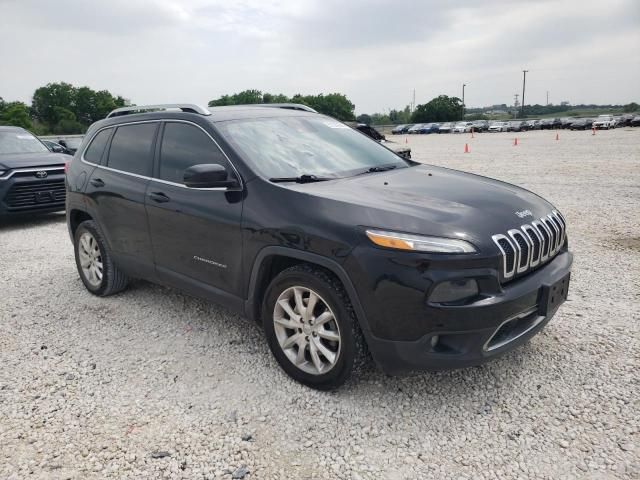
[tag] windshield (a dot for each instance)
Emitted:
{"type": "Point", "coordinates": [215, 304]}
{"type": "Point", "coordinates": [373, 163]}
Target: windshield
{"type": "Point", "coordinates": [20, 142]}
{"type": "Point", "coordinates": [310, 145]}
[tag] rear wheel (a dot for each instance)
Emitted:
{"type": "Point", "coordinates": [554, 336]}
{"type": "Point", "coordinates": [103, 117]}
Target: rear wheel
{"type": "Point", "coordinates": [311, 328]}
{"type": "Point", "coordinates": [95, 265]}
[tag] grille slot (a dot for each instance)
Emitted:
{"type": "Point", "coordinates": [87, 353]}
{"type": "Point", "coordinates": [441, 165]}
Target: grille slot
{"type": "Point", "coordinates": [36, 194]}
{"type": "Point", "coordinates": [531, 245]}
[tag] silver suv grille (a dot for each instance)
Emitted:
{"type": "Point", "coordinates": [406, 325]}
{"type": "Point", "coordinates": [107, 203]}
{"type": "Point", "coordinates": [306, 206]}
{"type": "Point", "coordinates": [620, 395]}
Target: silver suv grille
{"type": "Point", "coordinates": [531, 245]}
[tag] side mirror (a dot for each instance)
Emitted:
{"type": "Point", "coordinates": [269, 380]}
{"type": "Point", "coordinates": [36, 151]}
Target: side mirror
{"type": "Point", "coordinates": [208, 175]}
{"type": "Point", "coordinates": [57, 149]}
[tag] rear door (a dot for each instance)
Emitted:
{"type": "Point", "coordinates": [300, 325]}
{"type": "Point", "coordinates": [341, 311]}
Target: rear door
{"type": "Point", "coordinates": [196, 236]}
{"type": "Point", "coordinates": [116, 190]}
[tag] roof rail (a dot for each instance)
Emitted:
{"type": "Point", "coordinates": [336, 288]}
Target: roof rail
{"type": "Point", "coordinates": [185, 107]}
{"type": "Point", "coordinates": [289, 106]}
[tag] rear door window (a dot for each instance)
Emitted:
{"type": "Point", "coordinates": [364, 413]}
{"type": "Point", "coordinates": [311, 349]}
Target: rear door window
{"type": "Point", "coordinates": [132, 148]}
{"type": "Point", "coordinates": [183, 146]}
{"type": "Point", "coordinates": [94, 152]}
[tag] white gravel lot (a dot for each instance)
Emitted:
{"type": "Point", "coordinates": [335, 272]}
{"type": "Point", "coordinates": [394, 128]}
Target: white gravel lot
{"type": "Point", "coordinates": [154, 384]}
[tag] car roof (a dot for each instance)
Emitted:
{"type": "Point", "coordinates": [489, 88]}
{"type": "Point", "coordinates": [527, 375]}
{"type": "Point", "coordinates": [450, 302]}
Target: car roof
{"type": "Point", "coordinates": [7, 128]}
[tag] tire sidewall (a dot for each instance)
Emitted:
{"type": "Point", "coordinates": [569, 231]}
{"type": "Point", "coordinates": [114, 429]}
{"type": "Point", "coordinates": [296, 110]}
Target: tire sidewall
{"type": "Point", "coordinates": [342, 369]}
{"type": "Point", "coordinates": [91, 228]}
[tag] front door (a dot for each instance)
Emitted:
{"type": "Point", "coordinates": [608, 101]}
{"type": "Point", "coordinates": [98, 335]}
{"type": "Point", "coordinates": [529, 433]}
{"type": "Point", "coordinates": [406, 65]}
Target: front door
{"type": "Point", "coordinates": [196, 236]}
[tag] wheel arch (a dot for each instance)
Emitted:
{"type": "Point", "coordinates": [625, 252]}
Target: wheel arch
{"type": "Point", "coordinates": [76, 217]}
{"type": "Point", "coordinates": [272, 260]}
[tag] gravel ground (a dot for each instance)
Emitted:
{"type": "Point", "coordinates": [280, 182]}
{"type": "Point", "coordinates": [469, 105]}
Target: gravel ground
{"type": "Point", "coordinates": [154, 384]}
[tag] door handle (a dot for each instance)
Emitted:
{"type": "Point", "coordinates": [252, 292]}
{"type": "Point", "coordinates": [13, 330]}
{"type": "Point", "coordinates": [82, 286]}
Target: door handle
{"type": "Point", "coordinates": [159, 197]}
{"type": "Point", "coordinates": [96, 182]}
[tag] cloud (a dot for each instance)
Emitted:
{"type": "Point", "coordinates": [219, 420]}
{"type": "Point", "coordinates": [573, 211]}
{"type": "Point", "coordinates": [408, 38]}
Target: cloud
{"type": "Point", "coordinates": [374, 51]}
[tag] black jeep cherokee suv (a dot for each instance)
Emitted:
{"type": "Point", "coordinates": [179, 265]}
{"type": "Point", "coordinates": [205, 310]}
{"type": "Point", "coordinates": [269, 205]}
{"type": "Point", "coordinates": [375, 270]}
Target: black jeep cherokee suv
{"type": "Point", "coordinates": [31, 177]}
{"type": "Point", "coordinates": [338, 247]}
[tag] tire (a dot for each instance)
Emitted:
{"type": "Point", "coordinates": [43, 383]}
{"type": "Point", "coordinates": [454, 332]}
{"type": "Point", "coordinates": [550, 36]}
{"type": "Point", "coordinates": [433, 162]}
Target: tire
{"type": "Point", "coordinates": [349, 353]}
{"type": "Point", "coordinates": [89, 243]}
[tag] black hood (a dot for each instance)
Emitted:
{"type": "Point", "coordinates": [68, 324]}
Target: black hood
{"type": "Point", "coordinates": [432, 201]}
{"type": "Point", "coordinates": [26, 160]}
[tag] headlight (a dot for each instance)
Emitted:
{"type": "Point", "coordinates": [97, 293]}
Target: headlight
{"type": "Point", "coordinates": [419, 243]}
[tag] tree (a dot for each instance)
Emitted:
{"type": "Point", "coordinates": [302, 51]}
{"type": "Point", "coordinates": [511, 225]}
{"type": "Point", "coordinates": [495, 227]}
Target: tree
{"type": "Point", "coordinates": [364, 118]}
{"type": "Point", "coordinates": [336, 105]}
{"type": "Point", "coordinates": [84, 104]}
{"type": "Point", "coordinates": [441, 109]}
{"type": "Point", "coordinates": [631, 107]}
{"type": "Point", "coordinates": [15, 114]}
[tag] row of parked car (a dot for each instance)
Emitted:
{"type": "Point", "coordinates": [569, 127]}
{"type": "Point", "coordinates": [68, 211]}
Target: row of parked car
{"type": "Point", "coordinates": [601, 122]}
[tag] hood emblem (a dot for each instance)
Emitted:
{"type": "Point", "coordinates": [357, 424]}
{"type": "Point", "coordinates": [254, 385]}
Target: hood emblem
{"type": "Point", "coordinates": [42, 174]}
{"type": "Point", "coordinates": [524, 213]}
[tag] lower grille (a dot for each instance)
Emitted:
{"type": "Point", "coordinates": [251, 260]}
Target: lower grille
{"type": "Point", "coordinates": [531, 245]}
{"type": "Point", "coordinates": [36, 194]}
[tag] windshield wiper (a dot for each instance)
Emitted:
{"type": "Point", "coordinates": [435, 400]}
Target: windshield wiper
{"type": "Point", "coordinates": [304, 178]}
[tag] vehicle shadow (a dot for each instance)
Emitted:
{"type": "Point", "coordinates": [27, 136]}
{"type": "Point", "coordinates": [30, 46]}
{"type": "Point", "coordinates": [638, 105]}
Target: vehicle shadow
{"type": "Point", "coordinates": [21, 222]}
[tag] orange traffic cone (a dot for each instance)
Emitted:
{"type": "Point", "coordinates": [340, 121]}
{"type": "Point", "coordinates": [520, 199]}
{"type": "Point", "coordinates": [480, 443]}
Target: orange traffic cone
{"type": "Point", "coordinates": [515, 142]}
{"type": "Point", "coordinates": [466, 148]}
{"type": "Point", "coordinates": [557, 136]}
{"type": "Point", "coordinates": [593, 130]}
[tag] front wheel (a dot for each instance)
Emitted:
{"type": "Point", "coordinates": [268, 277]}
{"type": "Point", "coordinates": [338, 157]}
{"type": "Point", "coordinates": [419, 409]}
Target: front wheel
{"type": "Point", "coordinates": [311, 328]}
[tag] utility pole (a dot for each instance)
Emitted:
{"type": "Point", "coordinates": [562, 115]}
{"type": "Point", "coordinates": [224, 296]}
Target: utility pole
{"type": "Point", "coordinates": [547, 97]}
{"type": "Point", "coordinates": [463, 85]}
{"type": "Point", "coordinates": [515, 104]}
{"type": "Point", "coordinates": [524, 82]}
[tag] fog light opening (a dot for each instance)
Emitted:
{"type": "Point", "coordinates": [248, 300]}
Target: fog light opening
{"type": "Point", "coordinates": [454, 291]}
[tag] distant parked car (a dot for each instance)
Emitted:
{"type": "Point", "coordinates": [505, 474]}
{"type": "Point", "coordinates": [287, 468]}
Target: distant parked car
{"type": "Point", "coordinates": [565, 122]}
{"type": "Point", "coordinates": [415, 128]}
{"type": "Point", "coordinates": [635, 121]}
{"type": "Point", "coordinates": [604, 122]}
{"type": "Point", "coordinates": [369, 131]}
{"type": "Point", "coordinates": [480, 125]}
{"type": "Point", "coordinates": [56, 147]}
{"type": "Point", "coordinates": [551, 123]}
{"type": "Point", "coordinates": [398, 130]}
{"type": "Point", "coordinates": [625, 120]}
{"type": "Point", "coordinates": [534, 125]}
{"type": "Point", "coordinates": [498, 127]}
{"type": "Point", "coordinates": [581, 124]}
{"type": "Point", "coordinates": [445, 127]}
{"type": "Point", "coordinates": [430, 128]}
{"type": "Point", "coordinates": [71, 144]}
{"type": "Point", "coordinates": [462, 127]}
{"type": "Point", "coordinates": [517, 126]}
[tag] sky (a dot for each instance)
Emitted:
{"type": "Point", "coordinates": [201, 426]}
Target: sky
{"type": "Point", "coordinates": [376, 52]}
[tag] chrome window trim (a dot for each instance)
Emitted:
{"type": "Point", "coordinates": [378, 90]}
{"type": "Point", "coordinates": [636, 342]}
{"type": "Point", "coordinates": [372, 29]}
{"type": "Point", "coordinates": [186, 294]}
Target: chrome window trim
{"type": "Point", "coordinates": [540, 224]}
{"type": "Point", "coordinates": [512, 233]}
{"type": "Point", "coordinates": [27, 170]}
{"type": "Point", "coordinates": [525, 228]}
{"type": "Point", "coordinates": [506, 273]}
{"type": "Point", "coordinates": [144, 177]}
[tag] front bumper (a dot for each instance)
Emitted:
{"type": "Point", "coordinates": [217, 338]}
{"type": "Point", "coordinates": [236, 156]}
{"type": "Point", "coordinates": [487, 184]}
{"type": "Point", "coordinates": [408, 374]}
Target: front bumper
{"type": "Point", "coordinates": [455, 336]}
{"type": "Point", "coordinates": [20, 195]}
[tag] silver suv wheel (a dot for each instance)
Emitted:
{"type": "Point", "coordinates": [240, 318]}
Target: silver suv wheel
{"type": "Point", "coordinates": [307, 330]}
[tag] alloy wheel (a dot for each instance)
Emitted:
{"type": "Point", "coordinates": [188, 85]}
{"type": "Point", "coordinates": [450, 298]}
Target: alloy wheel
{"type": "Point", "coordinates": [307, 330]}
{"type": "Point", "coordinates": [90, 259]}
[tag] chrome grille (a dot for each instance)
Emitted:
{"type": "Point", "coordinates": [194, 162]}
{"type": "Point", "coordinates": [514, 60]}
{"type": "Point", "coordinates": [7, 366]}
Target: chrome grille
{"type": "Point", "coordinates": [531, 245]}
